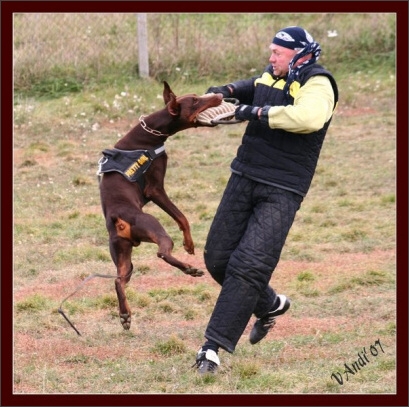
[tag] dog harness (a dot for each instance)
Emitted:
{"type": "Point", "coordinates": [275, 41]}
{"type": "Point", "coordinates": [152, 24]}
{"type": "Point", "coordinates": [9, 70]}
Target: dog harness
{"type": "Point", "coordinates": [132, 164]}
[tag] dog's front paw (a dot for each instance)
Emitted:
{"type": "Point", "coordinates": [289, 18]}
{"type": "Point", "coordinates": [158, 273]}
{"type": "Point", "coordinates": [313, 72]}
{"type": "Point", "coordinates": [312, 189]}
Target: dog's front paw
{"type": "Point", "coordinates": [190, 248]}
{"type": "Point", "coordinates": [194, 272]}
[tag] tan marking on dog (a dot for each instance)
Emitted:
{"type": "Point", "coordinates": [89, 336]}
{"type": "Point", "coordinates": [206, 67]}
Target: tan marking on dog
{"type": "Point", "coordinates": [123, 229]}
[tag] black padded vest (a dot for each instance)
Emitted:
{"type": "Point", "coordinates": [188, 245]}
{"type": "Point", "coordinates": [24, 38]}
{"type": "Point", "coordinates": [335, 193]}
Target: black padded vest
{"type": "Point", "coordinates": [274, 156]}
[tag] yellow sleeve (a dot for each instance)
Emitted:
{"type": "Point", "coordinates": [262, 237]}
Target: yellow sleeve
{"type": "Point", "coordinates": [313, 106]}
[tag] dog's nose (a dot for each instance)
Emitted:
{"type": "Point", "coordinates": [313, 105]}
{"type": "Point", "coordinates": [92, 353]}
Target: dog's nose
{"type": "Point", "coordinates": [211, 95]}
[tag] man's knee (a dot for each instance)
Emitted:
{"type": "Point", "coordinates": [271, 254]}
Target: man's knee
{"type": "Point", "coordinates": [216, 264]}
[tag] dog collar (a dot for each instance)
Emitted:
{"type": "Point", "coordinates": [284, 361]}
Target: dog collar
{"type": "Point", "coordinates": [149, 130]}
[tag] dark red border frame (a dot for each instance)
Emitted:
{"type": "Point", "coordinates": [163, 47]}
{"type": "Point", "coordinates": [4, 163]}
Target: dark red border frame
{"type": "Point", "coordinates": [10, 7]}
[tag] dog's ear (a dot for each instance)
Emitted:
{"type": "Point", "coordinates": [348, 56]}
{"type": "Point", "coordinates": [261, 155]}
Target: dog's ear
{"type": "Point", "coordinates": [167, 92]}
{"type": "Point", "coordinates": [173, 106]}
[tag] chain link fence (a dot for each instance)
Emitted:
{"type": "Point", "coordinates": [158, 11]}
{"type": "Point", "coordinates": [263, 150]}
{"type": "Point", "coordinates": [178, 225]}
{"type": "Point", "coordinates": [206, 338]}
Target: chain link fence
{"type": "Point", "coordinates": [65, 39]}
{"type": "Point", "coordinates": [89, 46]}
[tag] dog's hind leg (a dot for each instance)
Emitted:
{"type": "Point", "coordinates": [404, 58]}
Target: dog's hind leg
{"type": "Point", "coordinates": [148, 229]}
{"type": "Point", "coordinates": [121, 250]}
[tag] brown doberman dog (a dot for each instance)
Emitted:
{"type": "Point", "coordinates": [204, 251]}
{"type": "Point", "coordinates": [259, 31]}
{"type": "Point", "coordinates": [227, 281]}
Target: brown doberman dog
{"type": "Point", "coordinates": [132, 174]}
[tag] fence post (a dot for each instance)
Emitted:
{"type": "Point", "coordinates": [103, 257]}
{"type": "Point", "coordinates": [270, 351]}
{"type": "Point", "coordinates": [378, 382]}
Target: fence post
{"type": "Point", "coordinates": [143, 46]}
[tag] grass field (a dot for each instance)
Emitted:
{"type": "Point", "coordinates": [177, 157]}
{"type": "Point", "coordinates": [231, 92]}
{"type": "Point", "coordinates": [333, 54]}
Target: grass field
{"type": "Point", "coordinates": [338, 266]}
{"type": "Point", "coordinates": [339, 262]}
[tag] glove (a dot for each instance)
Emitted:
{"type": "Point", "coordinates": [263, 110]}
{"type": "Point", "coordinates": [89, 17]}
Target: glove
{"type": "Point", "coordinates": [246, 112]}
{"type": "Point", "coordinates": [224, 90]}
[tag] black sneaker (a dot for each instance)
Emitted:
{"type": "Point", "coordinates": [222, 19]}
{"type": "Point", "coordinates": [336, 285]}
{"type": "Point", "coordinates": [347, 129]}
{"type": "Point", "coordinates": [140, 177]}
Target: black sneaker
{"type": "Point", "coordinates": [207, 362]}
{"type": "Point", "coordinates": [264, 324]}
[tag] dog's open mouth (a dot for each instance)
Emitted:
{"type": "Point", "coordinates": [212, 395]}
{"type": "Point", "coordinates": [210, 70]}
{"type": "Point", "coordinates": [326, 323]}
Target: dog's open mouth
{"type": "Point", "coordinates": [222, 114]}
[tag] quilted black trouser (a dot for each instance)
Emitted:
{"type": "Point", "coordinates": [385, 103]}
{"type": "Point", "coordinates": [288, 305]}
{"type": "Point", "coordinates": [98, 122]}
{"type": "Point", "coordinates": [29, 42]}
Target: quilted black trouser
{"type": "Point", "coordinates": [242, 250]}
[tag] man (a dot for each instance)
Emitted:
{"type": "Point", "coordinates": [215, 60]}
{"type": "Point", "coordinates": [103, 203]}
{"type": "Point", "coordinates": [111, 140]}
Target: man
{"type": "Point", "coordinates": [289, 109]}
